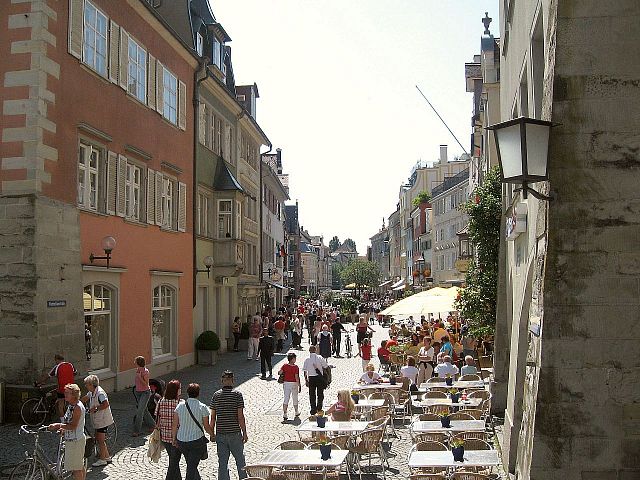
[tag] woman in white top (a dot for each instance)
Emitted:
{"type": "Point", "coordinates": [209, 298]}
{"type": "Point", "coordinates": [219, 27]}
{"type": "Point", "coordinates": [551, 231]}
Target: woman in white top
{"type": "Point", "coordinates": [101, 417]}
{"type": "Point", "coordinates": [425, 361]}
{"type": "Point", "coordinates": [73, 430]}
{"type": "Point", "coordinates": [409, 370]}
{"type": "Point", "coordinates": [370, 375]}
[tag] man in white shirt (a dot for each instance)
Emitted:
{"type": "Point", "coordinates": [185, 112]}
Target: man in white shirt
{"type": "Point", "coordinates": [469, 368]}
{"type": "Point", "coordinates": [446, 368]}
{"type": "Point", "coordinates": [313, 378]}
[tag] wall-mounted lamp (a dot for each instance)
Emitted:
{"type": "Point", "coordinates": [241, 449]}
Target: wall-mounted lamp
{"type": "Point", "coordinates": [523, 151]}
{"type": "Point", "coordinates": [108, 244]}
{"type": "Point", "coordinates": [208, 262]}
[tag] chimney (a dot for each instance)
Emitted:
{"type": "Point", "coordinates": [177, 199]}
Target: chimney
{"type": "Point", "coordinates": [443, 155]}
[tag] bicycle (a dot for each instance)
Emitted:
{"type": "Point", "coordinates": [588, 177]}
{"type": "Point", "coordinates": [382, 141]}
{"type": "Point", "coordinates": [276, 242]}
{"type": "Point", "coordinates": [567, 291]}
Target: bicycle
{"type": "Point", "coordinates": [110, 436]}
{"type": "Point", "coordinates": [37, 465]}
{"type": "Point", "coordinates": [348, 347]}
{"type": "Point", "coordinates": [36, 411]}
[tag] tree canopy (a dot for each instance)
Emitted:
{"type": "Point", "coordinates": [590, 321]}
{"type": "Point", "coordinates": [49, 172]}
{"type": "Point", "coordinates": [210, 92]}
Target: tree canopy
{"type": "Point", "coordinates": [350, 244]}
{"type": "Point", "coordinates": [361, 272]}
{"type": "Point", "coordinates": [422, 197]}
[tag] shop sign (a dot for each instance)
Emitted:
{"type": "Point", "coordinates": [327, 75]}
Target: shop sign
{"type": "Point", "coordinates": [517, 221]}
{"type": "Point", "coordinates": [462, 265]}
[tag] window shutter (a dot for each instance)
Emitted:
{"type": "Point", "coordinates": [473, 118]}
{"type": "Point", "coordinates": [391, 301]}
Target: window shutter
{"type": "Point", "coordinates": [112, 182]}
{"type": "Point", "coordinates": [122, 186]}
{"type": "Point", "coordinates": [159, 87]}
{"type": "Point", "coordinates": [202, 123]}
{"type": "Point", "coordinates": [182, 207]}
{"type": "Point", "coordinates": [150, 200]}
{"type": "Point", "coordinates": [151, 82]}
{"type": "Point", "coordinates": [76, 24]}
{"type": "Point", "coordinates": [182, 106]}
{"type": "Point", "coordinates": [114, 51]}
{"type": "Point", "coordinates": [159, 191]}
{"type": "Point", "coordinates": [124, 58]}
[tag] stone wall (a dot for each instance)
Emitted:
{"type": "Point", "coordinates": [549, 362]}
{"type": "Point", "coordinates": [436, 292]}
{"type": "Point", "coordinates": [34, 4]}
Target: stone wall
{"type": "Point", "coordinates": [39, 262]}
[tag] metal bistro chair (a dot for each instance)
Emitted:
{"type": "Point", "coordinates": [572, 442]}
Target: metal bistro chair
{"type": "Point", "coordinates": [435, 394]}
{"type": "Point", "coordinates": [461, 416]}
{"type": "Point", "coordinates": [260, 471]}
{"type": "Point", "coordinates": [426, 417]}
{"type": "Point", "coordinates": [428, 476]}
{"type": "Point", "coordinates": [430, 437]}
{"type": "Point", "coordinates": [292, 445]}
{"type": "Point", "coordinates": [470, 476]}
{"type": "Point", "coordinates": [476, 413]}
{"type": "Point", "coordinates": [470, 377]}
{"type": "Point", "coordinates": [472, 440]}
{"type": "Point", "coordinates": [389, 404]}
{"type": "Point", "coordinates": [369, 444]}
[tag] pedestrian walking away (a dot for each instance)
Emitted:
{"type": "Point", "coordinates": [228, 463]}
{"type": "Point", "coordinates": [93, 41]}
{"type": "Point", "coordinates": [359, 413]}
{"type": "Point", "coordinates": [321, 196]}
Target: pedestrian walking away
{"type": "Point", "coordinates": [164, 422]}
{"type": "Point", "coordinates": [254, 338]}
{"type": "Point", "coordinates": [313, 368]}
{"type": "Point", "coordinates": [336, 329]}
{"type": "Point", "coordinates": [229, 427]}
{"type": "Point", "coordinates": [266, 346]}
{"type": "Point", "coordinates": [142, 392]}
{"type": "Point", "coordinates": [290, 374]}
{"type": "Point", "coordinates": [101, 417]}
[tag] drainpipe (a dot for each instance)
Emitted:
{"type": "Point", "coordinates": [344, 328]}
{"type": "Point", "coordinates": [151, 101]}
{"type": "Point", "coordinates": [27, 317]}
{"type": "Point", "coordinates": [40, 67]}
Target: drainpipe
{"type": "Point", "coordinates": [261, 277]}
{"type": "Point", "coordinates": [199, 76]}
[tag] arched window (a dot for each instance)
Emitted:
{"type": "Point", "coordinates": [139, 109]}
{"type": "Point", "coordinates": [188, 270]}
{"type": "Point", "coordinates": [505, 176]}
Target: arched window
{"type": "Point", "coordinates": [98, 326]}
{"type": "Point", "coordinates": [162, 320]}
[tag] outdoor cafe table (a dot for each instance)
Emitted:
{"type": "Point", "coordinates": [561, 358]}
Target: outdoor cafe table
{"type": "Point", "coordinates": [472, 458]}
{"type": "Point", "coordinates": [376, 386]}
{"type": "Point", "coordinates": [352, 428]}
{"type": "Point", "coordinates": [456, 426]}
{"type": "Point", "coordinates": [430, 402]}
{"type": "Point", "coordinates": [369, 403]}
{"type": "Point", "coordinates": [457, 384]}
{"type": "Point", "coordinates": [304, 459]}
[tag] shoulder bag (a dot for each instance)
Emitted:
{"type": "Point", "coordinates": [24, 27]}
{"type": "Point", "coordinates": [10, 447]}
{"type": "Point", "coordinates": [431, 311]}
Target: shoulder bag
{"type": "Point", "coordinates": [202, 439]}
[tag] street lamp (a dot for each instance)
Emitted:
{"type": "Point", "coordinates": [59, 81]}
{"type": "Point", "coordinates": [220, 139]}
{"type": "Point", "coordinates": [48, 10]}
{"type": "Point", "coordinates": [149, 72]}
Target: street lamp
{"type": "Point", "coordinates": [108, 244]}
{"type": "Point", "coordinates": [208, 262]}
{"type": "Point", "coordinates": [523, 150]}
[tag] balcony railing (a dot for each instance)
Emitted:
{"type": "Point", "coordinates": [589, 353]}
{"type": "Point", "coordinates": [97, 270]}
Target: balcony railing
{"type": "Point", "coordinates": [228, 256]}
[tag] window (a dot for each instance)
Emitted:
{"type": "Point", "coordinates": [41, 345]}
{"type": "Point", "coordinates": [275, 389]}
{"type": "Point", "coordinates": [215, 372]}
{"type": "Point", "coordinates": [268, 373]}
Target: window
{"type": "Point", "coordinates": [94, 48]}
{"type": "Point", "coordinates": [199, 43]}
{"type": "Point", "coordinates": [137, 81]}
{"type": "Point", "coordinates": [162, 319]}
{"type": "Point", "coordinates": [88, 177]}
{"type": "Point", "coordinates": [224, 219]}
{"type": "Point", "coordinates": [202, 217]}
{"type": "Point", "coordinates": [132, 192]}
{"type": "Point", "coordinates": [217, 60]}
{"type": "Point", "coordinates": [97, 325]}
{"type": "Point", "coordinates": [170, 96]}
{"type": "Point", "coordinates": [168, 188]}
{"type": "Point", "coordinates": [238, 219]}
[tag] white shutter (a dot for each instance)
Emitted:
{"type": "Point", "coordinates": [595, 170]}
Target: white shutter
{"type": "Point", "coordinates": [112, 182]}
{"type": "Point", "coordinates": [122, 186]}
{"type": "Point", "coordinates": [182, 106]}
{"type": "Point", "coordinates": [114, 51]}
{"type": "Point", "coordinates": [159, 87]}
{"type": "Point", "coordinates": [159, 192]}
{"type": "Point", "coordinates": [202, 123]}
{"type": "Point", "coordinates": [182, 207]}
{"type": "Point", "coordinates": [76, 24]}
{"type": "Point", "coordinates": [124, 58]}
{"type": "Point", "coordinates": [151, 82]}
{"type": "Point", "coordinates": [151, 199]}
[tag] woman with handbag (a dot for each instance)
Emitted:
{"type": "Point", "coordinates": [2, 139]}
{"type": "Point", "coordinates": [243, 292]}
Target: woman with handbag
{"type": "Point", "coordinates": [289, 376]}
{"type": "Point", "coordinates": [190, 420]}
{"type": "Point", "coordinates": [164, 422]}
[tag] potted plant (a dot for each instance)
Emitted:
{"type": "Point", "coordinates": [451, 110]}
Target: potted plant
{"type": "Point", "coordinates": [355, 396]}
{"type": "Point", "coordinates": [448, 380]}
{"type": "Point", "coordinates": [207, 345]}
{"type": "Point", "coordinates": [445, 419]}
{"type": "Point", "coordinates": [457, 448]}
{"type": "Point", "coordinates": [321, 420]}
{"type": "Point", "coordinates": [325, 448]}
{"type": "Point", "coordinates": [454, 394]}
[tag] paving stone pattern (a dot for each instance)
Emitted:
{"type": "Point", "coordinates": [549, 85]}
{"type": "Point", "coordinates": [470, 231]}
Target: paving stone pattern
{"type": "Point", "coordinates": [263, 403]}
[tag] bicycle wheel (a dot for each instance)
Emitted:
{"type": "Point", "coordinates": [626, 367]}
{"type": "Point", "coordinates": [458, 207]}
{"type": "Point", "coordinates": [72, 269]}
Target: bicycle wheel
{"type": "Point", "coordinates": [28, 469]}
{"type": "Point", "coordinates": [111, 436]}
{"type": "Point", "coordinates": [32, 412]}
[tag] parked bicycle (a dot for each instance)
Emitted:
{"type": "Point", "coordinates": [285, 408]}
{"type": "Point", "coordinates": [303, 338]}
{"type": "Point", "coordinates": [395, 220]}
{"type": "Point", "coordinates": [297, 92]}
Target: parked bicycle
{"type": "Point", "coordinates": [37, 465]}
{"type": "Point", "coordinates": [36, 411]}
{"type": "Point", "coordinates": [348, 347]}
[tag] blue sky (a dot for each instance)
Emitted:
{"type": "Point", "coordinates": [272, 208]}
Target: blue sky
{"type": "Point", "coordinates": [337, 94]}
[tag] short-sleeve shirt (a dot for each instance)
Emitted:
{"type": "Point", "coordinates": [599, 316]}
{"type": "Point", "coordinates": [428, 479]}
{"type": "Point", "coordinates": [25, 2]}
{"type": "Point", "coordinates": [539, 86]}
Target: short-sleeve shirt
{"type": "Point", "coordinates": [226, 402]}
{"type": "Point", "coordinates": [65, 373]}
{"type": "Point", "coordinates": [312, 363]}
{"type": "Point", "coordinates": [366, 352]}
{"type": "Point", "coordinates": [188, 431]}
{"type": "Point", "coordinates": [376, 378]}
{"type": "Point", "coordinates": [164, 414]}
{"type": "Point", "coordinates": [290, 372]}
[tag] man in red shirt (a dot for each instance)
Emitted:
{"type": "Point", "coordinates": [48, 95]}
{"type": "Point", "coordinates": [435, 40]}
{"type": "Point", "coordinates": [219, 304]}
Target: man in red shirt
{"type": "Point", "coordinates": [65, 373]}
{"type": "Point", "coordinates": [393, 342]}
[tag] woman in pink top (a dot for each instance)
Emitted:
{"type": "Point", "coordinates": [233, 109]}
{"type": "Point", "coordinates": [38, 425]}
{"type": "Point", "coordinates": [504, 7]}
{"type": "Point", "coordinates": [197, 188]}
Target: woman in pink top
{"type": "Point", "coordinates": [142, 392]}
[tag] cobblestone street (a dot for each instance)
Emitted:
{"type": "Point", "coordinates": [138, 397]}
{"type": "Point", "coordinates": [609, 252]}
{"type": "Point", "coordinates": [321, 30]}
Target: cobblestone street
{"type": "Point", "coordinates": [263, 409]}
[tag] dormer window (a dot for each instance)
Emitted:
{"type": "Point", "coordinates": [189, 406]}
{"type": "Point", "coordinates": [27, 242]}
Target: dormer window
{"type": "Point", "coordinates": [217, 55]}
{"type": "Point", "coordinates": [199, 44]}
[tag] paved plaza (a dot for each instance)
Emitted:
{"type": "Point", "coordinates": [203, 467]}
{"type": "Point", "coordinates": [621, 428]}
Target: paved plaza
{"type": "Point", "coordinates": [263, 410]}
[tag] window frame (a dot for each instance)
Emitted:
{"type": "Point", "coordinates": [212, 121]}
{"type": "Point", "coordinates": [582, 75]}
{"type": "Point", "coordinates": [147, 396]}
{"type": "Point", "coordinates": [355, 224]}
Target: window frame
{"type": "Point", "coordinates": [171, 308]}
{"type": "Point", "coordinates": [169, 109]}
{"type": "Point", "coordinates": [203, 214]}
{"type": "Point", "coordinates": [228, 219]}
{"type": "Point", "coordinates": [168, 203]}
{"type": "Point", "coordinates": [130, 190]}
{"type": "Point", "coordinates": [86, 170]}
{"type": "Point", "coordinates": [109, 342]}
{"type": "Point", "coordinates": [86, 26]}
{"type": "Point", "coordinates": [139, 64]}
